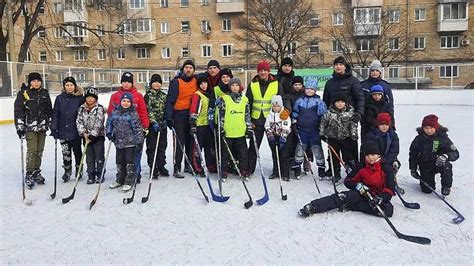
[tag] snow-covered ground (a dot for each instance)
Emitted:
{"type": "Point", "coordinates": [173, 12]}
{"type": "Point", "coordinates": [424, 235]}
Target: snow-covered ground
{"type": "Point", "coordinates": [176, 226]}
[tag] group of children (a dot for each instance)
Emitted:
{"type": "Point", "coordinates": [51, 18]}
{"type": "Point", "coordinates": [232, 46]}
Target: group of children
{"type": "Point", "coordinates": [220, 118]}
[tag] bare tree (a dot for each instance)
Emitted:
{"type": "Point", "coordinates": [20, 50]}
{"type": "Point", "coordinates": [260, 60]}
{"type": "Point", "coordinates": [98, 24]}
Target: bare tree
{"type": "Point", "coordinates": [275, 29]}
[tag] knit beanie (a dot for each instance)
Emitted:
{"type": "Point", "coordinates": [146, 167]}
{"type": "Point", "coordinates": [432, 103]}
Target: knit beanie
{"type": "Point", "coordinates": [340, 97]}
{"type": "Point", "coordinates": [155, 78]}
{"type": "Point", "coordinates": [286, 61]}
{"type": "Point", "coordinates": [376, 89]}
{"type": "Point", "coordinates": [384, 118]}
{"type": "Point", "coordinates": [188, 62]}
{"type": "Point", "coordinates": [340, 60]}
{"type": "Point", "coordinates": [213, 62]}
{"type": "Point", "coordinates": [298, 79]}
{"type": "Point", "coordinates": [430, 120]}
{"type": "Point", "coordinates": [370, 147]}
{"type": "Point", "coordinates": [376, 65]}
{"type": "Point", "coordinates": [200, 80]}
{"type": "Point", "coordinates": [235, 80]}
{"type": "Point", "coordinates": [312, 83]}
{"type": "Point", "coordinates": [127, 95]}
{"type": "Point", "coordinates": [69, 79]}
{"type": "Point", "coordinates": [263, 65]}
{"type": "Point", "coordinates": [277, 100]}
{"type": "Point", "coordinates": [127, 77]}
{"type": "Point", "coordinates": [34, 76]}
{"type": "Point", "coordinates": [227, 72]}
{"type": "Point", "coordinates": [93, 92]}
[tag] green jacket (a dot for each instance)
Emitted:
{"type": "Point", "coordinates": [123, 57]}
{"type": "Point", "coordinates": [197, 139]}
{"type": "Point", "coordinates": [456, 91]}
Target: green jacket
{"type": "Point", "coordinates": [155, 101]}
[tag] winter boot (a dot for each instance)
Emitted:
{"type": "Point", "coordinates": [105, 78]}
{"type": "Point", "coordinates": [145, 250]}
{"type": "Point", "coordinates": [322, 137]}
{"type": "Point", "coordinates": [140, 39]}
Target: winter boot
{"type": "Point", "coordinates": [115, 184]}
{"type": "Point", "coordinates": [78, 174]}
{"type": "Point", "coordinates": [445, 191]}
{"type": "Point", "coordinates": [99, 179]}
{"type": "Point", "coordinates": [39, 179]}
{"type": "Point", "coordinates": [177, 173]}
{"type": "Point", "coordinates": [131, 178]}
{"type": "Point", "coordinates": [67, 173]}
{"type": "Point", "coordinates": [91, 178]}
{"type": "Point", "coordinates": [98, 174]}
{"type": "Point", "coordinates": [273, 176]}
{"type": "Point", "coordinates": [321, 172]}
{"type": "Point", "coordinates": [29, 180]}
{"type": "Point", "coordinates": [163, 171]}
{"type": "Point", "coordinates": [224, 177]}
{"type": "Point", "coordinates": [155, 173]}
{"type": "Point", "coordinates": [245, 175]}
{"type": "Point", "coordinates": [307, 210]}
{"type": "Point", "coordinates": [119, 179]}
{"type": "Point", "coordinates": [297, 172]}
{"type": "Point", "coordinates": [285, 178]}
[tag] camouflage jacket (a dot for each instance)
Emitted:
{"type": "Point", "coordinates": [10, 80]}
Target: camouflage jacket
{"type": "Point", "coordinates": [91, 121]}
{"type": "Point", "coordinates": [155, 101]}
{"type": "Point", "coordinates": [337, 124]}
{"type": "Point", "coordinates": [33, 110]}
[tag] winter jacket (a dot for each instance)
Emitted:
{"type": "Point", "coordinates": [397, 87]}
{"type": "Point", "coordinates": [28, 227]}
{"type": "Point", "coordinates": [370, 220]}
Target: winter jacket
{"type": "Point", "coordinates": [308, 112]}
{"type": "Point", "coordinates": [138, 102]}
{"type": "Point", "coordinates": [63, 124]}
{"type": "Point", "coordinates": [387, 91]}
{"type": "Point", "coordinates": [337, 124]}
{"type": "Point", "coordinates": [263, 88]}
{"type": "Point", "coordinates": [424, 149]}
{"type": "Point", "coordinates": [377, 177]}
{"type": "Point", "coordinates": [155, 101]}
{"type": "Point", "coordinates": [196, 105]}
{"type": "Point", "coordinates": [125, 127]}
{"type": "Point", "coordinates": [286, 81]}
{"type": "Point", "coordinates": [175, 95]}
{"type": "Point", "coordinates": [277, 127]}
{"type": "Point", "coordinates": [91, 121]}
{"type": "Point", "coordinates": [372, 109]}
{"type": "Point", "coordinates": [292, 96]}
{"type": "Point", "coordinates": [32, 110]}
{"type": "Point", "coordinates": [388, 143]}
{"type": "Point", "coordinates": [347, 85]}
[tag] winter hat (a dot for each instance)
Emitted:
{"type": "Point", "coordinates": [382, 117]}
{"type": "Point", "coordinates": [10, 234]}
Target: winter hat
{"type": "Point", "coordinates": [312, 83]}
{"type": "Point", "coordinates": [93, 92]}
{"type": "Point", "coordinates": [34, 75]}
{"type": "Point", "coordinates": [376, 65]}
{"type": "Point", "coordinates": [340, 97]}
{"type": "Point", "coordinates": [370, 147]}
{"type": "Point", "coordinates": [263, 65]}
{"type": "Point", "coordinates": [188, 62]}
{"type": "Point", "coordinates": [128, 96]}
{"type": "Point", "coordinates": [155, 78]}
{"type": "Point", "coordinates": [127, 77]}
{"type": "Point", "coordinates": [298, 79]}
{"type": "Point", "coordinates": [384, 118]}
{"type": "Point", "coordinates": [201, 80]}
{"type": "Point", "coordinates": [226, 72]}
{"type": "Point", "coordinates": [376, 89]}
{"type": "Point", "coordinates": [286, 61]}
{"type": "Point", "coordinates": [235, 80]}
{"type": "Point", "coordinates": [340, 60]}
{"type": "Point", "coordinates": [69, 79]}
{"type": "Point", "coordinates": [430, 120]}
{"type": "Point", "coordinates": [213, 62]}
{"type": "Point", "coordinates": [277, 100]}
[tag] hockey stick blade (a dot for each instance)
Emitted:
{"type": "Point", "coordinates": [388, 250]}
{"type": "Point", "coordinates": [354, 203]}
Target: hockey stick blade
{"type": "Point", "coordinates": [92, 203]}
{"type": "Point", "coordinates": [129, 200]}
{"type": "Point", "coordinates": [458, 219]}
{"type": "Point", "coordinates": [53, 196]}
{"type": "Point", "coordinates": [215, 197]}
{"type": "Point", "coordinates": [410, 205]}
{"type": "Point", "coordinates": [145, 199]}
{"type": "Point", "coordinates": [248, 204]}
{"type": "Point", "coordinates": [283, 197]}
{"type": "Point", "coordinates": [415, 239]}
{"type": "Point", "coordinates": [66, 200]}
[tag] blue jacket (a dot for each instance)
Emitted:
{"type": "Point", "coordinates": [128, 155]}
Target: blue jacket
{"type": "Point", "coordinates": [125, 126]}
{"type": "Point", "coordinates": [388, 143]}
{"type": "Point", "coordinates": [63, 124]}
{"type": "Point", "coordinates": [308, 112]}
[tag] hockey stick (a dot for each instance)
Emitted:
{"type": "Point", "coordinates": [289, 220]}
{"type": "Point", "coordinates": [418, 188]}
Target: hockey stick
{"type": "Point", "coordinates": [189, 162]}
{"type": "Point", "coordinates": [55, 168]}
{"type": "Point", "coordinates": [414, 239]}
{"type": "Point", "coordinates": [26, 201]}
{"type": "Point", "coordinates": [135, 183]}
{"type": "Point", "coordinates": [79, 171]}
{"type": "Point", "coordinates": [409, 205]}
{"type": "Point", "coordinates": [204, 167]}
{"type": "Point", "coordinates": [283, 196]}
{"type": "Point", "coordinates": [265, 197]}
{"type": "Point", "coordinates": [306, 158]}
{"type": "Point", "coordinates": [331, 161]}
{"type": "Point", "coordinates": [145, 199]}
{"type": "Point", "coordinates": [102, 176]}
{"type": "Point", "coordinates": [346, 167]}
{"type": "Point", "coordinates": [249, 203]}
{"type": "Point", "coordinates": [455, 220]}
{"type": "Point", "coordinates": [218, 144]}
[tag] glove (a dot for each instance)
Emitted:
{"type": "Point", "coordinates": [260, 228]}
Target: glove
{"type": "Point", "coordinates": [355, 117]}
{"type": "Point", "coordinates": [155, 127]}
{"type": "Point", "coordinates": [110, 136]}
{"type": "Point", "coordinates": [361, 188]}
{"type": "Point", "coordinates": [20, 133]}
{"type": "Point", "coordinates": [415, 174]}
{"type": "Point", "coordinates": [281, 143]}
{"type": "Point", "coordinates": [396, 165]}
{"type": "Point", "coordinates": [92, 139]}
{"type": "Point", "coordinates": [324, 138]}
{"type": "Point", "coordinates": [193, 130]}
{"type": "Point", "coordinates": [441, 160]}
{"type": "Point", "coordinates": [169, 123]}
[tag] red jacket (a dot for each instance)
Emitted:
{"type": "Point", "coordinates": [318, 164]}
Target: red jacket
{"type": "Point", "coordinates": [138, 102]}
{"type": "Point", "coordinates": [374, 177]}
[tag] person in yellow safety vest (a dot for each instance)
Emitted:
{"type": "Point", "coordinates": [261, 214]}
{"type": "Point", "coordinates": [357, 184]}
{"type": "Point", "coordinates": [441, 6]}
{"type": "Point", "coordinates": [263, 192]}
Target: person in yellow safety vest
{"type": "Point", "coordinates": [260, 92]}
{"type": "Point", "coordinates": [199, 123]}
{"type": "Point", "coordinates": [222, 87]}
{"type": "Point", "coordinates": [234, 118]}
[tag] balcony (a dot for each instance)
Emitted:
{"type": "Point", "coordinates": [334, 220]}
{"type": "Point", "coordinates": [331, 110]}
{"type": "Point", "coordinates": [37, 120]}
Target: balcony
{"type": "Point", "coordinates": [366, 3]}
{"type": "Point", "coordinates": [453, 15]}
{"type": "Point", "coordinates": [75, 15]}
{"type": "Point", "coordinates": [361, 30]}
{"type": "Point", "coordinates": [140, 38]}
{"type": "Point", "coordinates": [230, 6]}
{"type": "Point", "coordinates": [77, 42]}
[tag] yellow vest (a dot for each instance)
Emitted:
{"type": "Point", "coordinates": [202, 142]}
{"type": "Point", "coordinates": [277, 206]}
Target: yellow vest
{"type": "Point", "coordinates": [234, 120]}
{"type": "Point", "coordinates": [262, 104]}
{"type": "Point", "coordinates": [218, 92]}
{"type": "Point", "coordinates": [202, 119]}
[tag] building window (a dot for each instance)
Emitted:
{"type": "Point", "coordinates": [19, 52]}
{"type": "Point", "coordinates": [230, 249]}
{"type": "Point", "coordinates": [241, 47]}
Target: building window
{"type": "Point", "coordinates": [291, 23]}
{"type": "Point", "coordinates": [121, 53]}
{"type": "Point", "coordinates": [137, 4]}
{"type": "Point", "coordinates": [205, 26]}
{"type": "Point", "coordinates": [80, 55]}
{"type": "Point", "coordinates": [184, 26]}
{"type": "Point", "coordinates": [164, 3]}
{"type": "Point", "coordinates": [226, 25]}
{"type": "Point", "coordinates": [165, 53]}
{"type": "Point", "coordinates": [100, 30]}
{"type": "Point", "coordinates": [314, 22]}
{"type": "Point", "coordinates": [364, 45]}
{"type": "Point", "coordinates": [59, 56]}
{"type": "Point", "coordinates": [42, 34]}
{"type": "Point", "coordinates": [269, 48]}
{"type": "Point", "coordinates": [142, 77]}
{"type": "Point", "coordinates": [292, 48]}
{"type": "Point", "coordinates": [42, 56]}
{"type": "Point", "coordinates": [78, 30]}
{"type": "Point", "coordinates": [101, 54]}
{"type": "Point", "coordinates": [28, 57]}
{"type": "Point", "coordinates": [184, 3]}
{"type": "Point", "coordinates": [363, 72]}
{"type": "Point", "coordinates": [139, 25]}
{"type": "Point", "coordinates": [204, 2]}
{"type": "Point", "coordinates": [41, 9]}
{"type": "Point", "coordinates": [448, 71]}
{"type": "Point", "coordinates": [80, 77]}
{"type": "Point", "coordinates": [166, 76]}
{"type": "Point", "coordinates": [419, 72]}
{"type": "Point", "coordinates": [394, 15]}
{"type": "Point", "coordinates": [454, 11]}
{"type": "Point", "coordinates": [165, 27]}
{"type": "Point", "coordinates": [448, 42]}
{"type": "Point", "coordinates": [206, 50]}
{"type": "Point", "coordinates": [420, 43]}
{"type": "Point", "coordinates": [59, 32]}
{"type": "Point", "coordinates": [420, 14]}
{"type": "Point", "coordinates": [393, 72]}
{"type": "Point", "coordinates": [314, 47]}
{"type": "Point", "coordinates": [57, 7]}
{"type": "Point", "coordinates": [101, 77]}
{"type": "Point", "coordinates": [226, 50]}
{"type": "Point", "coordinates": [337, 19]}
{"type": "Point", "coordinates": [185, 52]}
{"type": "Point", "coordinates": [336, 46]}
{"type": "Point", "coordinates": [394, 44]}
{"type": "Point", "coordinates": [367, 15]}
{"type": "Point", "coordinates": [143, 53]}
{"type": "Point", "coordinates": [73, 5]}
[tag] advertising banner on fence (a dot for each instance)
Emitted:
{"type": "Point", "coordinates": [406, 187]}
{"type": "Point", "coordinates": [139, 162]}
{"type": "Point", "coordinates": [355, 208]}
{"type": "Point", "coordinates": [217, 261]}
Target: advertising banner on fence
{"type": "Point", "coordinates": [321, 74]}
